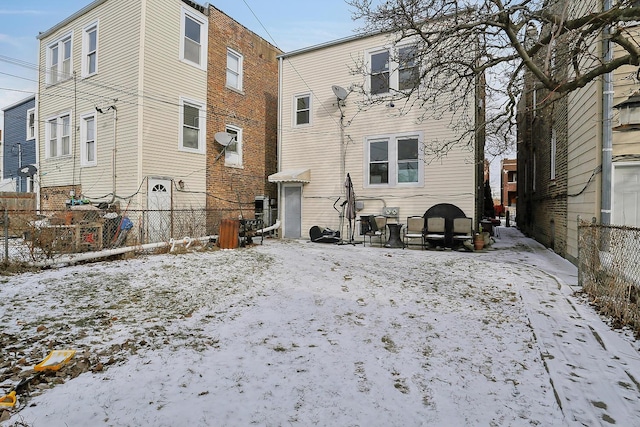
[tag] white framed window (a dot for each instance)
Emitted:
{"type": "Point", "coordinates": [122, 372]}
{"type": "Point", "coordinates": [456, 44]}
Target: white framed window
{"type": "Point", "coordinates": [88, 141]}
{"type": "Point", "coordinates": [90, 50]}
{"type": "Point", "coordinates": [552, 149]}
{"type": "Point", "coordinates": [194, 36]}
{"type": "Point", "coordinates": [396, 69]}
{"type": "Point", "coordinates": [59, 60]}
{"type": "Point", "coordinates": [233, 152]}
{"type": "Point", "coordinates": [58, 136]}
{"type": "Point", "coordinates": [234, 69]}
{"type": "Point", "coordinates": [302, 113]}
{"type": "Point", "coordinates": [193, 118]}
{"type": "Point", "coordinates": [31, 123]}
{"type": "Point", "coordinates": [394, 160]}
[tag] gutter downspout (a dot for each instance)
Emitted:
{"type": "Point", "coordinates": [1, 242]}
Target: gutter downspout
{"type": "Point", "coordinates": [279, 142]}
{"type": "Point", "coordinates": [607, 132]}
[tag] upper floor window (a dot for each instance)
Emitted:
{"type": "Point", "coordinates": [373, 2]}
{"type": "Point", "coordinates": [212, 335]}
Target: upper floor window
{"type": "Point", "coordinates": [31, 123]}
{"type": "Point", "coordinates": [193, 115]}
{"type": "Point", "coordinates": [88, 140]}
{"type": "Point", "coordinates": [58, 136]}
{"type": "Point", "coordinates": [394, 161]}
{"type": "Point", "coordinates": [394, 69]}
{"type": "Point", "coordinates": [234, 69]}
{"type": "Point", "coordinates": [193, 48]}
{"type": "Point", "coordinates": [90, 50]}
{"type": "Point", "coordinates": [59, 60]}
{"type": "Point", "coordinates": [233, 152]}
{"type": "Point", "coordinates": [302, 110]}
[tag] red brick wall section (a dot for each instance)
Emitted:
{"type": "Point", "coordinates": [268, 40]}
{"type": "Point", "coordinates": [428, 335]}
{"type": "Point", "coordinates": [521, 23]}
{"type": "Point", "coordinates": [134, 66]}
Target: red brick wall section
{"type": "Point", "coordinates": [254, 109]}
{"type": "Point", "coordinates": [55, 198]}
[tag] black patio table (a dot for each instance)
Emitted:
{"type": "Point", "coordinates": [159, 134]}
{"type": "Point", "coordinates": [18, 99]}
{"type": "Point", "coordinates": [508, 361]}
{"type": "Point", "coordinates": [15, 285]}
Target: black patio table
{"type": "Point", "coordinates": [394, 236]}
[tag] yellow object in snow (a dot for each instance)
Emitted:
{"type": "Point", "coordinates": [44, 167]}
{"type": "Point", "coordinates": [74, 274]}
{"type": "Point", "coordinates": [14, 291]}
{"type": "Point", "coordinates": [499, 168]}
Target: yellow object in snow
{"type": "Point", "coordinates": [8, 401]}
{"type": "Point", "coordinates": [55, 360]}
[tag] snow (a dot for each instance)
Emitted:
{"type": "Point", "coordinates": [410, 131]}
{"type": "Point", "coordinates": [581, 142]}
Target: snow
{"type": "Point", "coordinates": [300, 333]}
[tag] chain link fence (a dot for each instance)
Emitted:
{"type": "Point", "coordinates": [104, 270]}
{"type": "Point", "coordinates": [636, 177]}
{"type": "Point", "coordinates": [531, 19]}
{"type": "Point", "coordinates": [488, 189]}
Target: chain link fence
{"type": "Point", "coordinates": [609, 270]}
{"type": "Point", "coordinates": [31, 237]}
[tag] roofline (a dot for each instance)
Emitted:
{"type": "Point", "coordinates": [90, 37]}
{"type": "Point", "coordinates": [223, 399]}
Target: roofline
{"type": "Point", "coordinates": [22, 101]}
{"type": "Point", "coordinates": [210, 6]}
{"type": "Point", "coordinates": [331, 43]}
{"type": "Point", "coordinates": [69, 19]}
{"type": "Point", "coordinates": [89, 7]}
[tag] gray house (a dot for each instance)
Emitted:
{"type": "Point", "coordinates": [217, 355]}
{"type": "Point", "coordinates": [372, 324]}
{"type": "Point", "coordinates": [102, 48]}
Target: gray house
{"type": "Point", "coordinates": [19, 145]}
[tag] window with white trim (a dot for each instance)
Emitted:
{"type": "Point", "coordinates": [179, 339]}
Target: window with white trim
{"type": "Point", "coordinates": [193, 48]}
{"type": "Point", "coordinates": [88, 156]}
{"type": "Point", "coordinates": [31, 123]}
{"type": "Point", "coordinates": [394, 161]}
{"type": "Point", "coordinates": [233, 152]}
{"type": "Point", "coordinates": [552, 150]}
{"type": "Point", "coordinates": [302, 115]}
{"type": "Point", "coordinates": [393, 69]}
{"type": "Point", "coordinates": [58, 136]}
{"type": "Point", "coordinates": [193, 120]}
{"type": "Point", "coordinates": [90, 50]}
{"type": "Point", "coordinates": [59, 60]}
{"type": "Point", "coordinates": [234, 69]}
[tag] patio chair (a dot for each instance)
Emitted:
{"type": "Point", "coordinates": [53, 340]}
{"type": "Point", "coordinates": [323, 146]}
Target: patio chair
{"type": "Point", "coordinates": [377, 228]}
{"type": "Point", "coordinates": [435, 231]}
{"type": "Point", "coordinates": [415, 225]}
{"type": "Point", "coordinates": [462, 230]}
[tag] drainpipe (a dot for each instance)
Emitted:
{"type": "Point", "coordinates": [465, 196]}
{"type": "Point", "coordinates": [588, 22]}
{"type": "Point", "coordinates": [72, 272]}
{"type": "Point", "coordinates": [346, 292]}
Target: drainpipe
{"type": "Point", "coordinates": [279, 141]}
{"type": "Point", "coordinates": [607, 133]}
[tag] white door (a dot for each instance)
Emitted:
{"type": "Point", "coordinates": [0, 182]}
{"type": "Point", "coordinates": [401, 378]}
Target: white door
{"type": "Point", "coordinates": [292, 212]}
{"type": "Point", "coordinates": [626, 195]}
{"type": "Point", "coordinates": [159, 210]}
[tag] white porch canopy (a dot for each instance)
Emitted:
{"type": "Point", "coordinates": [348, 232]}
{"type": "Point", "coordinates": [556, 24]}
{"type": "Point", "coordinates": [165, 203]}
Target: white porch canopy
{"type": "Point", "coordinates": [292, 175]}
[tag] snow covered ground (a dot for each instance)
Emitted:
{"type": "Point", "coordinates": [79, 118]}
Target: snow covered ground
{"type": "Point", "coordinates": [299, 333]}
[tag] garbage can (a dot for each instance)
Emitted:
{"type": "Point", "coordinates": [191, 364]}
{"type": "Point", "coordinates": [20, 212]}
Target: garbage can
{"type": "Point", "coordinates": [229, 234]}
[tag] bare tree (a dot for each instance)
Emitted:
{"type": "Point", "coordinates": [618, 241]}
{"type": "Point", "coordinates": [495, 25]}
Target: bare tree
{"type": "Point", "coordinates": [456, 41]}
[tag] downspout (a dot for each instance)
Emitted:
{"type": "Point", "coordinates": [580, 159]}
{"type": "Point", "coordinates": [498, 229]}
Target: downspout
{"type": "Point", "coordinates": [115, 150]}
{"type": "Point", "coordinates": [607, 132]}
{"type": "Point", "coordinates": [279, 142]}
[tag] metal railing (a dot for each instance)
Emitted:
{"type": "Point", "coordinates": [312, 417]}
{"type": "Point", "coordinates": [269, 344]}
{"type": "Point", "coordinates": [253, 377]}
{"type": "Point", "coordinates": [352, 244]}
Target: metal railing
{"type": "Point", "coordinates": [609, 270]}
{"type": "Point", "coordinates": [31, 236]}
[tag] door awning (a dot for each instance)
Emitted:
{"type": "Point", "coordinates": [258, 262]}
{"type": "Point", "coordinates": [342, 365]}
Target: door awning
{"type": "Point", "coordinates": [291, 175]}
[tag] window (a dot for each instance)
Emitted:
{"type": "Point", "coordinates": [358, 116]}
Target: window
{"type": "Point", "coordinates": [193, 119]}
{"type": "Point", "coordinates": [88, 140]}
{"type": "Point", "coordinates": [59, 60]}
{"type": "Point", "coordinates": [394, 161]}
{"type": "Point", "coordinates": [58, 136]}
{"type": "Point", "coordinates": [194, 38]}
{"type": "Point", "coordinates": [394, 69]}
{"type": "Point", "coordinates": [408, 69]}
{"type": "Point", "coordinates": [234, 69]}
{"type": "Point", "coordinates": [233, 152]}
{"type": "Point", "coordinates": [552, 149]}
{"type": "Point", "coordinates": [31, 123]}
{"type": "Point", "coordinates": [303, 110]}
{"type": "Point", "coordinates": [90, 50]}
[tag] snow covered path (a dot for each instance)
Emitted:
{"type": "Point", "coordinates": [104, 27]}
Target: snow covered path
{"type": "Point", "coordinates": [297, 333]}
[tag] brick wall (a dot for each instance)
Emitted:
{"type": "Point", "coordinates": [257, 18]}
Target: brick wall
{"type": "Point", "coordinates": [54, 198]}
{"type": "Point", "coordinates": [254, 110]}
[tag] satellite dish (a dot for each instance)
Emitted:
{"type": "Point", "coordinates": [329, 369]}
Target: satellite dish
{"type": "Point", "coordinates": [224, 138]}
{"type": "Point", "coordinates": [341, 93]}
{"type": "Point", "coordinates": [27, 171]}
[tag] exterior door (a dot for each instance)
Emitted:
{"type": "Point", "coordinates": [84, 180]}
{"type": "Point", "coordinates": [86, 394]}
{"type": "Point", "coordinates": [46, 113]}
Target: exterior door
{"type": "Point", "coordinates": [292, 212]}
{"type": "Point", "coordinates": [626, 195]}
{"type": "Point", "coordinates": [159, 210]}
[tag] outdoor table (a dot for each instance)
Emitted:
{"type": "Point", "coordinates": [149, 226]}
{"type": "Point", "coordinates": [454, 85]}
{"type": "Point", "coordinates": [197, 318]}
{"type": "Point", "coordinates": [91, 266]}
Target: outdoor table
{"type": "Point", "coordinates": [394, 236]}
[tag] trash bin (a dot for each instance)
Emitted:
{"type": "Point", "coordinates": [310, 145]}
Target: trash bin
{"type": "Point", "coordinates": [229, 234]}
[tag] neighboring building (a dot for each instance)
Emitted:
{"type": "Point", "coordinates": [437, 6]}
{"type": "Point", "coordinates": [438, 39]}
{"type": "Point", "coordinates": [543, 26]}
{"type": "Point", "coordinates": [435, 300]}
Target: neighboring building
{"type": "Point", "coordinates": [327, 131]}
{"type": "Point", "coordinates": [131, 99]}
{"type": "Point", "coordinates": [19, 146]}
{"type": "Point", "coordinates": [243, 97]}
{"type": "Point", "coordinates": [509, 185]}
{"type": "Point", "coordinates": [574, 162]}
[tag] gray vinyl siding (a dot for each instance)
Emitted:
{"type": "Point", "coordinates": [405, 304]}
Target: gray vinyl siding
{"type": "Point", "coordinates": [15, 132]}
